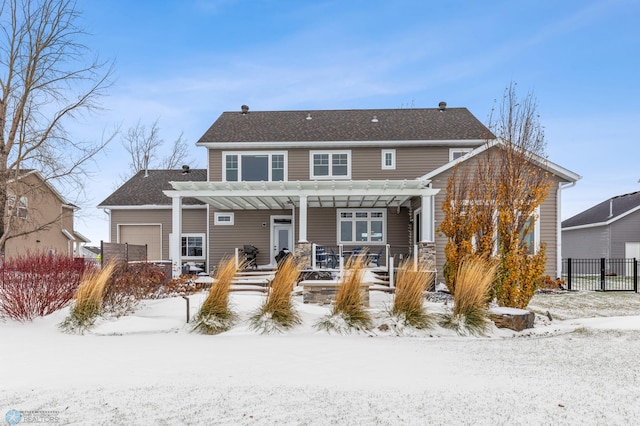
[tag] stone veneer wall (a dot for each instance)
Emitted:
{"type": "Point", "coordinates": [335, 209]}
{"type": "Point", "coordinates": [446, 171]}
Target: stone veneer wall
{"type": "Point", "coordinates": [302, 254]}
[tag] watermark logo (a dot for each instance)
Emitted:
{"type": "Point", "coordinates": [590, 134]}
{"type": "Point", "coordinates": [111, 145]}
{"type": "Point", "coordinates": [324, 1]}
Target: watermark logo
{"type": "Point", "coordinates": [13, 417]}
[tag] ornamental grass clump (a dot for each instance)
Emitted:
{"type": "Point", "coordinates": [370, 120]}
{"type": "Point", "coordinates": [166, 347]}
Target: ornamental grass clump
{"type": "Point", "coordinates": [88, 300]}
{"type": "Point", "coordinates": [277, 313]}
{"type": "Point", "coordinates": [215, 315]}
{"type": "Point", "coordinates": [348, 314]}
{"type": "Point", "coordinates": [408, 304]}
{"type": "Point", "coordinates": [470, 301]}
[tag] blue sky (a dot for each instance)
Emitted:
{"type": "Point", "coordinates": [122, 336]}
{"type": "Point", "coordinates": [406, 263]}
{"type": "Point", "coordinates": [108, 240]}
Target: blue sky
{"type": "Point", "coordinates": [184, 62]}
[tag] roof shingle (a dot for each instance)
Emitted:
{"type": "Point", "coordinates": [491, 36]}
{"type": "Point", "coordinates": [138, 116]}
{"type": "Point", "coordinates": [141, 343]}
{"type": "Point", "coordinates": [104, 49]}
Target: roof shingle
{"type": "Point", "coordinates": [605, 211]}
{"type": "Point", "coordinates": [411, 124]}
{"type": "Point", "coordinates": [141, 190]}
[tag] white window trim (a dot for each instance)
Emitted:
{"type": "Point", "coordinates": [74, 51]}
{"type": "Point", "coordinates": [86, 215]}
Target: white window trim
{"type": "Point", "coordinates": [217, 215]}
{"type": "Point", "coordinates": [393, 159]}
{"type": "Point", "coordinates": [330, 175]}
{"type": "Point", "coordinates": [204, 245]}
{"type": "Point", "coordinates": [369, 243]}
{"type": "Point", "coordinates": [452, 151]}
{"type": "Point", "coordinates": [241, 153]}
{"type": "Point", "coordinates": [536, 231]}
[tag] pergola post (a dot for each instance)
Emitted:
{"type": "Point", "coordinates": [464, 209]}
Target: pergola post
{"type": "Point", "coordinates": [176, 237]}
{"type": "Point", "coordinates": [302, 237]}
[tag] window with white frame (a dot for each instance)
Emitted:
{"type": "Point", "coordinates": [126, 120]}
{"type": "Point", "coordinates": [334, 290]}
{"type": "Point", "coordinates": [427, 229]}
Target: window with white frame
{"type": "Point", "coordinates": [361, 226]}
{"type": "Point", "coordinates": [254, 166]}
{"type": "Point", "coordinates": [22, 208]}
{"type": "Point", "coordinates": [223, 218]}
{"type": "Point", "coordinates": [530, 234]}
{"type": "Point", "coordinates": [388, 159]}
{"type": "Point", "coordinates": [455, 153]}
{"type": "Point", "coordinates": [330, 164]}
{"type": "Point", "coordinates": [193, 245]}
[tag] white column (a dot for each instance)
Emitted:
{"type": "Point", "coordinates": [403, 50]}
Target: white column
{"type": "Point", "coordinates": [176, 237]}
{"type": "Point", "coordinates": [303, 219]}
{"type": "Point", "coordinates": [426, 218]}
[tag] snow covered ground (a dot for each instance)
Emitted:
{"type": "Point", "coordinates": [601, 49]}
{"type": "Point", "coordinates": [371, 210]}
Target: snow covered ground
{"type": "Point", "coordinates": [148, 368]}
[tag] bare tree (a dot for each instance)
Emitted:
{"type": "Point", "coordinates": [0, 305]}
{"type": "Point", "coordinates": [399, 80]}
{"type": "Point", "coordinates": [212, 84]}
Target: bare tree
{"type": "Point", "coordinates": [46, 82]}
{"type": "Point", "coordinates": [143, 146]}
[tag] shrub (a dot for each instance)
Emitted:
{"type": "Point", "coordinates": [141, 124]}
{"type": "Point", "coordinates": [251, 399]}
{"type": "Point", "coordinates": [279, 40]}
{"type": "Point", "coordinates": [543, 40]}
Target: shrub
{"type": "Point", "coordinates": [215, 316]}
{"type": "Point", "coordinates": [130, 283]}
{"type": "Point", "coordinates": [277, 313]}
{"type": "Point", "coordinates": [408, 303]}
{"type": "Point", "coordinates": [473, 284]}
{"type": "Point", "coordinates": [88, 300]}
{"type": "Point", "coordinates": [37, 284]}
{"type": "Point", "coordinates": [548, 283]}
{"type": "Point", "coordinates": [348, 313]}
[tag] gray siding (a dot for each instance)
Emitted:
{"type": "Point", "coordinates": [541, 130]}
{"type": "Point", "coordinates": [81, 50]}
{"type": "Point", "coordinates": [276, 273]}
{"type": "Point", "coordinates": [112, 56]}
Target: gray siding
{"type": "Point", "coordinates": [586, 243]}
{"type": "Point", "coordinates": [366, 163]}
{"type": "Point", "coordinates": [624, 230]}
{"type": "Point", "coordinates": [193, 221]}
{"type": "Point", "coordinates": [321, 230]}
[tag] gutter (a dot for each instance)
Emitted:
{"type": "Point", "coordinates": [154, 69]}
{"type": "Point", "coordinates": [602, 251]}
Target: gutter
{"type": "Point", "coordinates": [561, 186]}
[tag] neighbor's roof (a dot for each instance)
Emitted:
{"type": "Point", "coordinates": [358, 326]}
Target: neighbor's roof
{"type": "Point", "coordinates": [410, 124]}
{"type": "Point", "coordinates": [606, 212]}
{"type": "Point", "coordinates": [143, 190]}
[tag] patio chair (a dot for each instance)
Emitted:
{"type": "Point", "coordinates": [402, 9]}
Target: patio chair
{"type": "Point", "coordinates": [321, 256]}
{"type": "Point", "coordinates": [333, 259]}
{"type": "Point", "coordinates": [375, 258]}
{"type": "Point", "coordinates": [250, 254]}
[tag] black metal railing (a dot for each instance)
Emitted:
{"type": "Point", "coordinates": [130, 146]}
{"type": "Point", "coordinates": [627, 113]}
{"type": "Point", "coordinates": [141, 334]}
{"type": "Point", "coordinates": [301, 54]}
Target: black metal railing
{"type": "Point", "coordinates": [601, 274]}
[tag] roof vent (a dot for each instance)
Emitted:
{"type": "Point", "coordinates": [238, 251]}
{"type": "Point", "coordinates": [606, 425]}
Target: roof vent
{"type": "Point", "coordinates": [374, 119]}
{"type": "Point", "coordinates": [245, 109]}
{"type": "Point", "coordinates": [442, 106]}
{"type": "Point", "coordinates": [185, 169]}
{"type": "Point", "coordinates": [309, 116]}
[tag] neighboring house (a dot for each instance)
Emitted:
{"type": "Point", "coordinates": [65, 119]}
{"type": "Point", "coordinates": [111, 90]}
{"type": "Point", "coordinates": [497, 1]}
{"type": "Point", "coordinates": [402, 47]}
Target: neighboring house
{"type": "Point", "coordinates": [610, 230]}
{"type": "Point", "coordinates": [39, 219]}
{"type": "Point", "coordinates": [276, 179]}
{"type": "Point", "coordinates": [90, 252]}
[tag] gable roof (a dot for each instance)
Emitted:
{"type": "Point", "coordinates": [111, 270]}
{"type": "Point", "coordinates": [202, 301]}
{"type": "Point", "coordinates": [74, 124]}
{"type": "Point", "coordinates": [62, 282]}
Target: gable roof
{"type": "Point", "coordinates": [365, 125]}
{"type": "Point", "coordinates": [606, 212]}
{"type": "Point", "coordinates": [542, 162]}
{"type": "Point", "coordinates": [143, 190]}
{"type": "Point", "coordinates": [33, 172]}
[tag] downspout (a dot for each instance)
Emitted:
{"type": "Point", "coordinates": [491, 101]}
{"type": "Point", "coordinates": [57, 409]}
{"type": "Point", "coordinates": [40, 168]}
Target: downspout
{"type": "Point", "coordinates": [559, 226]}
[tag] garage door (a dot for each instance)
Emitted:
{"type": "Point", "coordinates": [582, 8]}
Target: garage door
{"type": "Point", "coordinates": [143, 234]}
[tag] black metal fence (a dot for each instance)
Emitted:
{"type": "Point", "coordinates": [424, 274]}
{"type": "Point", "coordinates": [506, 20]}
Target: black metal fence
{"type": "Point", "coordinates": [601, 274]}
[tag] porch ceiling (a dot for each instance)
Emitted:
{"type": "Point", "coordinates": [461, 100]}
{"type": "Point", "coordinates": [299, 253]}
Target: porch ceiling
{"type": "Point", "coordinates": [282, 195]}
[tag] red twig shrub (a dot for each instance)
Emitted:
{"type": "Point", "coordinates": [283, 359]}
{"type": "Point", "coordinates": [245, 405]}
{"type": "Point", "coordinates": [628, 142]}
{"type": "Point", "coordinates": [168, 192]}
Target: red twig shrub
{"type": "Point", "coordinates": [38, 284]}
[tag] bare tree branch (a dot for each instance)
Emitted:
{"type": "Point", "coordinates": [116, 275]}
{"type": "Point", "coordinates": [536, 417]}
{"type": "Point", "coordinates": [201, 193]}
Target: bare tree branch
{"type": "Point", "coordinates": [46, 82]}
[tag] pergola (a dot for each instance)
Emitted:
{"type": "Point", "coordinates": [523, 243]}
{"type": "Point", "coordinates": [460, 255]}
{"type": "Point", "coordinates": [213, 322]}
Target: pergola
{"type": "Point", "coordinates": [302, 195]}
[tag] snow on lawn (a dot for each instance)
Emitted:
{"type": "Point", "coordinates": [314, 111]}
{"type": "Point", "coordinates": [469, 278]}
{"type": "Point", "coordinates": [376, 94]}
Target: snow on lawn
{"type": "Point", "coordinates": [148, 368]}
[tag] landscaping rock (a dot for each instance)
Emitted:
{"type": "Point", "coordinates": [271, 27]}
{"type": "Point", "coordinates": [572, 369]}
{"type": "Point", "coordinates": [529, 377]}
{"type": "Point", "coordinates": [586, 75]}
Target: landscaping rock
{"type": "Point", "coordinates": [512, 318]}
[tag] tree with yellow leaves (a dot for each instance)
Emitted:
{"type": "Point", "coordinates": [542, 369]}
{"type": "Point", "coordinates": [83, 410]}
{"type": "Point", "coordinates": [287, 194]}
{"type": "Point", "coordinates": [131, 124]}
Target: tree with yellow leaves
{"type": "Point", "coordinates": [491, 204]}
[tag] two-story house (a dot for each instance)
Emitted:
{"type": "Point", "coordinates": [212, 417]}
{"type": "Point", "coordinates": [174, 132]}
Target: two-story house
{"type": "Point", "coordinates": [38, 218]}
{"type": "Point", "coordinates": [336, 178]}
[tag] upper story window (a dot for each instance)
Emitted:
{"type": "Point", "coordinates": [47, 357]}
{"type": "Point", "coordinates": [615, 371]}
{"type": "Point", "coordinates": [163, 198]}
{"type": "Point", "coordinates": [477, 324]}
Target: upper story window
{"type": "Point", "coordinates": [388, 159]}
{"type": "Point", "coordinates": [330, 164]}
{"type": "Point", "coordinates": [254, 166]}
{"type": "Point", "coordinates": [455, 153]}
{"type": "Point", "coordinates": [22, 206]}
